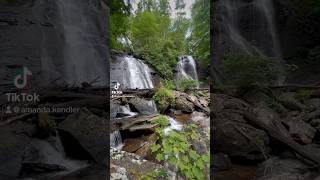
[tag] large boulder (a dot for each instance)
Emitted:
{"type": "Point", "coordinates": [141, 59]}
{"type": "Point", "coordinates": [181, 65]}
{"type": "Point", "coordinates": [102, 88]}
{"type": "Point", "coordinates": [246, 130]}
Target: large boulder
{"type": "Point", "coordinates": [145, 107]}
{"type": "Point", "coordinates": [140, 145]}
{"type": "Point", "coordinates": [234, 136]}
{"type": "Point", "coordinates": [289, 101]}
{"type": "Point", "coordinates": [90, 131]}
{"type": "Point", "coordinates": [184, 105]}
{"type": "Point", "coordinates": [301, 131]}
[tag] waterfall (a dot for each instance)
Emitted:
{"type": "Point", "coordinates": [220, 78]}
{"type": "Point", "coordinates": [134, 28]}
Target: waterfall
{"type": "Point", "coordinates": [174, 125]}
{"type": "Point", "coordinates": [153, 106]}
{"type": "Point", "coordinates": [186, 68]}
{"type": "Point", "coordinates": [84, 58]}
{"type": "Point", "coordinates": [250, 26]}
{"type": "Point", "coordinates": [131, 73]}
{"type": "Point", "coordinates": [125, 112]}
{"type": "Point", "coordinates": [116, 140]}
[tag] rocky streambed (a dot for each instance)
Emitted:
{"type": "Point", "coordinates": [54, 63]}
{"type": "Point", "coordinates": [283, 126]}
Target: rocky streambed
{"type": "Point", "coordinates": [134, 124]}
{"type": "Point", "coordinates": [269, 135]}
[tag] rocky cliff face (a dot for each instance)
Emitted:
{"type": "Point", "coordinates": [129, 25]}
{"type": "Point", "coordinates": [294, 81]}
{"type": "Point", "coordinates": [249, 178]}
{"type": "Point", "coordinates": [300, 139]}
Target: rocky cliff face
{"type": "Point", "coordinates": [54, 39]}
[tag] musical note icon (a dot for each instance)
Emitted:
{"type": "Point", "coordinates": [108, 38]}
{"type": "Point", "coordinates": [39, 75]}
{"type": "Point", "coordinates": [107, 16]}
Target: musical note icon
{"type": "Point", "coordinates": [21, 80]}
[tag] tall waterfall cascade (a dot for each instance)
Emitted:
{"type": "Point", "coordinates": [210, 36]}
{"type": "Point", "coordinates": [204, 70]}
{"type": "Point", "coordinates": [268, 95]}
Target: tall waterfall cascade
{"type": "Point", "coordinates": [82, 56]}
{"type": "Point", "coordinates": [131, 73]}
{"type": "Point", "coordinates": [250, 26]}
{"type": "Point", "coordinates": [186, 68]}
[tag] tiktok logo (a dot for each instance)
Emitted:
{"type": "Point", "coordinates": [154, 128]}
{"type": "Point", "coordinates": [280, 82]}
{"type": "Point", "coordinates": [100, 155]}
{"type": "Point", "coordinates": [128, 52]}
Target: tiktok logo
{"type": "Point", "coordinates": [116, 87]}
{"type": "Point", "coordinates": [21, 80]}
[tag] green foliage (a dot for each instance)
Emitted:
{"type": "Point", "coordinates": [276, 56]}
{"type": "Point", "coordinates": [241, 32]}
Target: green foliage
{"type": "Point", "coordinates": [156, 41]}
{"type": "Point", "coordinates": [247, 71]}
{"type": "Point", "coordinates": [162, 121]}
{"type": "Point", "coordinates": [199, 41]}
{"type": "Point", "coordinates": [176, 149]}
{"type": "Point", "coordinates": [158, 38]}
{"type": "Point", "coordinates": [119, 23]}
{"type": "Point", "coordinates": [188, 84]}
{"type": "Point", "coordinates": [163, 98]}
{"type": "Point", "coordinates": [169, 84]}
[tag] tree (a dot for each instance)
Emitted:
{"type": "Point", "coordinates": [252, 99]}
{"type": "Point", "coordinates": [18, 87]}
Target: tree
{"type": "Point", "coordinates": [164, 7]}
{"type": "Point", "coordinates": [199, 40]}
{"type": "Point", "coordinates": [147, 5]}
{"type": "Point", "coordinates": [119, 20]}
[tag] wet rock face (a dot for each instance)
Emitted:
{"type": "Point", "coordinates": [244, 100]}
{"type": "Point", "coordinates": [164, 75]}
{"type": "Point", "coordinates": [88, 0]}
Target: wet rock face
{"type": "Point", "coordinates": [144, 107]}
{"type": "Point", "coordinates": [33, 35]}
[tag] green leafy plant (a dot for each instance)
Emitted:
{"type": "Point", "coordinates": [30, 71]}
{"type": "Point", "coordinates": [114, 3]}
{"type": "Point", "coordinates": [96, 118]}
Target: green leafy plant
{"type": "Point", "coordinates": [188, 84]}
{"type": "Point", "coordinates": [169, 84]}
{"type": "Point", "coordinates": [176, 149]}
{"type": "Point", "coordinates": [163, 98]}
{"type": "Point", "coordinates": [162, 121]}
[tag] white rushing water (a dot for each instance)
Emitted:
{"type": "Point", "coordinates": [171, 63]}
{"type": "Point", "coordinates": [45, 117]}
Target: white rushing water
{"type": "Point", "coordinates": [83, 60]}
{"type": "Point", "coordinates": [258, 35]}
{"type": "Point", "coordinates": [131, 73]}
{"type": "Point", "coordinates": [174, 125]}
{"type": "Point", "coordinates": [125, 112]}
{"type": "Point", "coordinates": [116, 140]}
{"type": "Point", "coordinates": [186, 68]}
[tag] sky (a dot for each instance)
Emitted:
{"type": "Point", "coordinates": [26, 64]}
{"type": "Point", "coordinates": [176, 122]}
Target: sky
{"type": "Point", "coordinates": [172, 3]}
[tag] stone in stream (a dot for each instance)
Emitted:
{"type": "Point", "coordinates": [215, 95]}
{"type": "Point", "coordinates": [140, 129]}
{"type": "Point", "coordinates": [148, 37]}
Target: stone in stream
{"type": "Point", "coordinates": [145, 107]}
{"type": "Point", "coordinates": [89, 131]}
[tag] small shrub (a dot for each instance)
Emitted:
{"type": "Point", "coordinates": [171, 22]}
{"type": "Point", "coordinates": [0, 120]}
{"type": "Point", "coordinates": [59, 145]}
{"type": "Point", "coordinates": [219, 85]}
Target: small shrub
{"type": "Point", "coordinates": [247, 71]}
{"type": "Point", "coordinates": [169, 84]}
{"type": "Point", "coordinates": [162, 121]}
{"type": "Point", "coordinates": [163, 98]}
{"type": "Point", "coordinates": [188, 84]}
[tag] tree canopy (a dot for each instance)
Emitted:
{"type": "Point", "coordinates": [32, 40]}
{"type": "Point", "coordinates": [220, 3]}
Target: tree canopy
{"type": "Point", "coordinates": [158, 37]}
